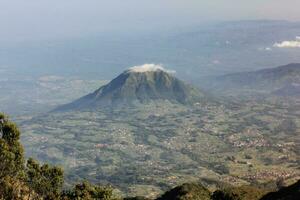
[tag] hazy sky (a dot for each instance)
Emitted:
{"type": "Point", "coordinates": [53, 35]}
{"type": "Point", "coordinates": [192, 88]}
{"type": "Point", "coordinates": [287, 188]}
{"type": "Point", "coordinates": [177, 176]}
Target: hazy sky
{"type": "Point", "coordinates": [45, 19]}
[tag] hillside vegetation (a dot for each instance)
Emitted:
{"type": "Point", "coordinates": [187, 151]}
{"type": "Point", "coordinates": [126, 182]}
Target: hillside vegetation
{"type": "Point", "coordinates": [22, 179]}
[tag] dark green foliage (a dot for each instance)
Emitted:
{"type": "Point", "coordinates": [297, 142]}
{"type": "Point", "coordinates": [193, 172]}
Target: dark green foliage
{"type": "Point", "coordinates": [12, 188]}
{"type": "Point", "coordinates": [187, 191]}
{"type": "Point", "coordinates": [286, 193]}
{"type": "Point", "coordinates": [87, 191]}
{"type": "Point", "coordinates": [11, 150]}
{"type": "Point", "coordinates": [45, 180]}
{"type": "Point", "coordinates": [136, 198]}
{"type": "Point", "coordinates": [11, 160]}
{"type": "Point", "coordinates": [224, 195]}
{"type": "Point", "coordinates": [221, 169]}
{"type": "Point", "coordinates": [239, 193]}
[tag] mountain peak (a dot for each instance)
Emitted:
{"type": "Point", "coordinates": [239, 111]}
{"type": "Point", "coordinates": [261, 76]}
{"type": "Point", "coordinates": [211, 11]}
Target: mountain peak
{"type": "Point", "coordinates": [139, 84]}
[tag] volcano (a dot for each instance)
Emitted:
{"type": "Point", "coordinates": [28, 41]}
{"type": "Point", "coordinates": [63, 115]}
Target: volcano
{"type": "Point", "coordinates": [139, 85]}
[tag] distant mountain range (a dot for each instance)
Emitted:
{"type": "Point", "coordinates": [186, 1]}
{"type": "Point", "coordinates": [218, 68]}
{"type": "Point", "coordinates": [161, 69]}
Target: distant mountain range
{"type": "Point", "coordinates": [283, 81]}
{"type": "Point", "coordinates": [289, 90]}
{"type": "Point", "coordinates": [139, 86]}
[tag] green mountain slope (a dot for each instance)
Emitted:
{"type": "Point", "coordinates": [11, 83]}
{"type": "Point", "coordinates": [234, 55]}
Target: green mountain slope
{"type": "Point", "coordinates": [133, 87]}
{"type": "Point", "coordinates": [275, 80]}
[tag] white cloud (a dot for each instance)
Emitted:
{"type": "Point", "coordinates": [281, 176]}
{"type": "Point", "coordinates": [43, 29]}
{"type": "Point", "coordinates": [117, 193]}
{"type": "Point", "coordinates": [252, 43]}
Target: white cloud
{"type": "Point", "coordinates": [149, 68]}
{"type": "Point", "coordinates": [268, 49]}
{"type": "Point", "coordinates": [289, 43]}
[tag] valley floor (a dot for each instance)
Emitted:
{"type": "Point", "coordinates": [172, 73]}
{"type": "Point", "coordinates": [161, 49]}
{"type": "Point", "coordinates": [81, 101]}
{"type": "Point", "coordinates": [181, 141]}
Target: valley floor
{"type": "Point", "coordinates": [148, 149]}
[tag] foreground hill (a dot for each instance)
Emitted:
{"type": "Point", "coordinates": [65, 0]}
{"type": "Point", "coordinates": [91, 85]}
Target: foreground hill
{"type": "Point", "coordinates": [196, 191]}
{"type": "Point", "coordinates": [139, 85]}
{"type": "Point", "coordinates": [283, 81]}
{"type": "Point", "coordinates": [187, 191]}
{"type": "Point", "coordinates": [291, 192]}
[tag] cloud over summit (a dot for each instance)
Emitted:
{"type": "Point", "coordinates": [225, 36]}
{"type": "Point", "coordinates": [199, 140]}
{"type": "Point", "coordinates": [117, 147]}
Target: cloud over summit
{"type": "Point", "coordinates": [149, 68]}
{"type": "Point", "coordinates": [289, 43]}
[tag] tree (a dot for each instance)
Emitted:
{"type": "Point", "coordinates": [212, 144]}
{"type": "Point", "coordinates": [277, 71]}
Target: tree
{"type": "Point", "coordinates": [291, 192]}
{"type": "Point", "coordinates": [11, 160]}
{"type": "Point", "coordinates": [35, 180]}
{"type": "Point", "coordinates": [225, 195]}
{"type": "Point", "coordinates": [187, 191]}
{"type": "Point", "coordinates": [239, 193]}
{"type": "Point", "coordinates": [16, 178]}
{"type": "Point", "coordinates": [87, 191]}
{"type": "Point", "coordinates": [11, 150]}
{"type": "Point", "coordinates": [44, 180]}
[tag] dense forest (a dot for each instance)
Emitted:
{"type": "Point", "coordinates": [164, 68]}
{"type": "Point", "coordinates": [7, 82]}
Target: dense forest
{"type": "Point", "coordinates": [22, 178]}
